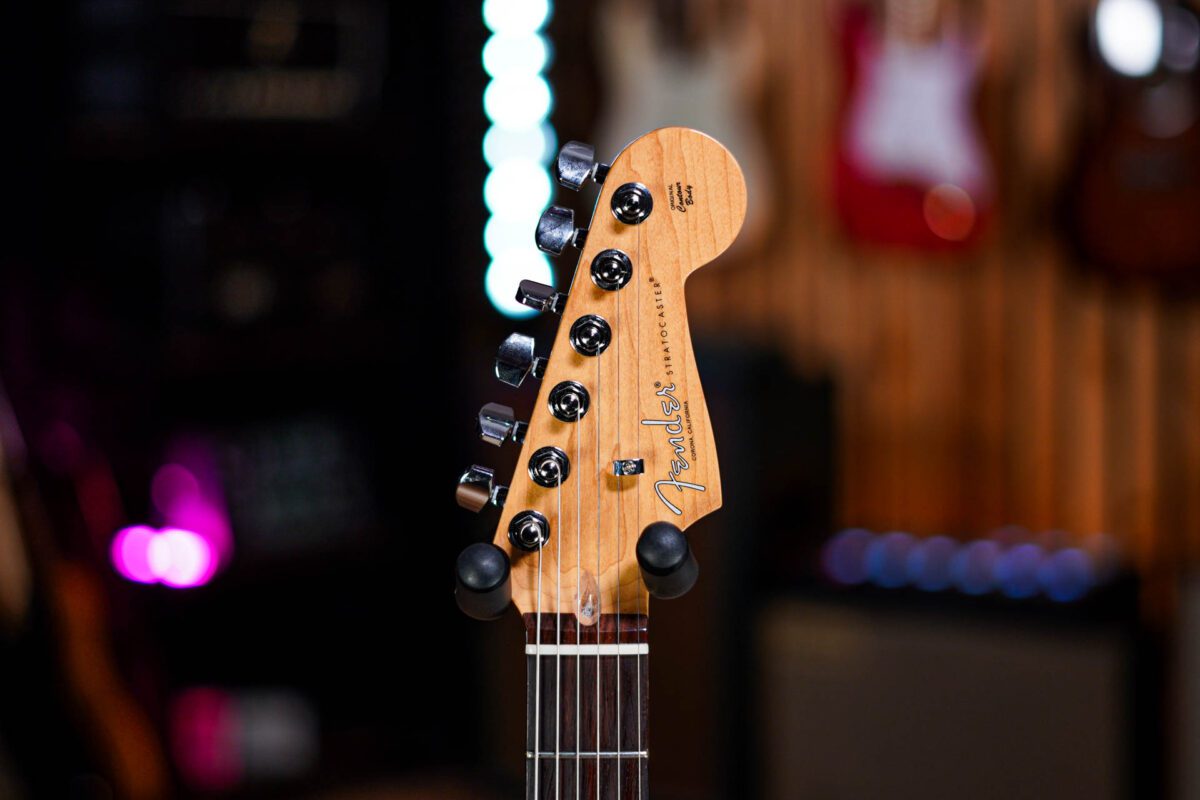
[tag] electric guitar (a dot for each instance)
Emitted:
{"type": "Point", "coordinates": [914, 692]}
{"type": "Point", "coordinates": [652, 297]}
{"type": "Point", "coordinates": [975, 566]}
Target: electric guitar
{"type": "Point", "coordinates": [911, 168]}
{"type": "Point", "coordinates": [618, 457]}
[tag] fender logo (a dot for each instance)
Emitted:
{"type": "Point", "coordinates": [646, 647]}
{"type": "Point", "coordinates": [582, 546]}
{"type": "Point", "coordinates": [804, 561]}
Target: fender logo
{"type": "Point", "coordinates": [674, 429]}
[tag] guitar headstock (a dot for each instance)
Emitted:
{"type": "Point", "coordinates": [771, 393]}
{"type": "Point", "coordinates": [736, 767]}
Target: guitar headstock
{"type": "Point", "coordinates": [619, 442]}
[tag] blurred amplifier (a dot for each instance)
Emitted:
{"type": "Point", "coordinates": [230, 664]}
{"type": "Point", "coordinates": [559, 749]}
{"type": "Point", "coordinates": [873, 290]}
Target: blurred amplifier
{"type": "Point", "coordinates": [859, 701]}
{"type": "Point", "coordinates": [296, 60]}
{"type": "Point", "coordinates": [1187, 690]}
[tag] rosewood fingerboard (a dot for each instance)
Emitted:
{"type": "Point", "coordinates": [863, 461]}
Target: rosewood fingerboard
{"type": "Point", "coordinates": [586, 735]}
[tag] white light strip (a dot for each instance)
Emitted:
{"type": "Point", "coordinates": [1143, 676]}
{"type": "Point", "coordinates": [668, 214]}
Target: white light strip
{"type": "Point", "coordinates": [623, 649]}
{"type": "Point", "coordinates": [517, 147]}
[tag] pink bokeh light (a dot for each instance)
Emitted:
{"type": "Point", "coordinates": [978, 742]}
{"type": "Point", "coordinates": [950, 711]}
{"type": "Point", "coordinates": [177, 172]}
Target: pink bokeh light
{"type": "Point", "coordinates": [174, 557]}
{"type": "Point", "coordinates": [130, 553]}
{"type": "Point", "coordinates": [195, 539]}
{"type": "Point", "coordinates": [205, 738]}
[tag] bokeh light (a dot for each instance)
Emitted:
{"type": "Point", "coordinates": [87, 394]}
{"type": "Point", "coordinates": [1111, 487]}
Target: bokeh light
{"type": "Point", "coordinates": [130, 554]}
{"type": "Point", "coordinates": [973, 568]}
{"type": "Point", "coordinates": [526, 144]}
{"type": "Point", "coordinates": [517, 100]}
{"type": "Point", "coordinates": [1129, 34]}
{"type": "Point", "coordinates": [1005, 562]}
{"type": "Point", "coordinates": [1017, 570]}
{"type": "Point", "coordinates": [515, 16]}
{"type": "Point", "coordinates": [887, 559]}
{"type": "Point", "coordinates": [174, 557]}
{"type": "Point", "coordinates": [949, 212]}
{"type": "Point", "coordinates": [515, 52]}
{"type": "Point", "coordinates": [517, 147]}
{"type": "Point", "coordinates": [1067, 575]}
{"type": "Point", "coordinates": [844, 556]}
{"type": "Point", "coordinates": [929, 563]}
{"type": "Point", "coordinates": [506, 272]}
{"type": "Point", "coordinates": [517, 190]}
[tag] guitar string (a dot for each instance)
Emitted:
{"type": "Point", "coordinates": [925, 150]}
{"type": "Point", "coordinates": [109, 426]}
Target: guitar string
{"type": "Point", "coordinates": [558, 649]}
{"type": "Point", "coordinates": [578, 597]}
{"type": "Point", "coordinates": [620, 553]}
{"type": "Point", "coordinates": [599, 593]}
{"type": "Point", "coordinates": [537, 681]}
{"type": "Point", "coordinates": [638, 618]}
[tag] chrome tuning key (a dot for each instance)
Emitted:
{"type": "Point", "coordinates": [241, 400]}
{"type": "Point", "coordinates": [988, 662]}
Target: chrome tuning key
{"type": "Point", "coordinates": [515, 360]}
{"type": "Point", "coordinates": [497, 423]}
{"type": "Point", "coordinates": [556, 231]}
{"type": "Point", "coordinates": [529, 530]}
{"type": "Point", "coordinates": [569, 401]}
{"type": "Point", "coordinates": [590, 335]}
{"type": "Point", "coordinates": [576, 163]}
{"type": "Point", "coordinates": [632, 203]}
{"type": "Point", "coordinates": [477, 488]}
{"type": "Point", "coordinates": [549, 466]}
{"type": "Point", "coordinates": [540, 296]}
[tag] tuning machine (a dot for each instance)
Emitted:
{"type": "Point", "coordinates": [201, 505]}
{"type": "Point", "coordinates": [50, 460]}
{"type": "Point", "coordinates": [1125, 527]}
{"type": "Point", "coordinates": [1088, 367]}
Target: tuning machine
{"type": "Point", "coordinates": [576, 163]}
{"type": "Point", "coordinates": [515, 360]}
{"type": "Point", "coordinates": [556, 231]}
{"type": "Point", "coordinates": [477, 488]}
{"type": "Point", "coordinates": [497, 423]}
{"type": "Point", "coordinates": [540, 296]}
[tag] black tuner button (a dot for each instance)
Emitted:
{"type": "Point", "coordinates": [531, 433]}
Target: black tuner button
{"type": "Point", "coordinates": [669, 568]}
{"type": "Point", "coordinates": [481, 584]}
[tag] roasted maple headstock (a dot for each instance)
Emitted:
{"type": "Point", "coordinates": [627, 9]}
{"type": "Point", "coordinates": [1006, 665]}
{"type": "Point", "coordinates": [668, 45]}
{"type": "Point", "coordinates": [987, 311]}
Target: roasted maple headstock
{"type": "Point", "coordinates": [619, 442]}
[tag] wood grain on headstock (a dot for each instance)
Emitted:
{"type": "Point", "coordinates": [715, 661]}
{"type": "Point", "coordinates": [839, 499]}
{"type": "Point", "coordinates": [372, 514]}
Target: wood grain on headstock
{"type": "Point", "coordinates": [646, 399]}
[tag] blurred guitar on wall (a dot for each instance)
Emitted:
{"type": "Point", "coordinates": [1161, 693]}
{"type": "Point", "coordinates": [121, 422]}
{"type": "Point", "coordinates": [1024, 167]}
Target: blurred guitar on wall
{"type": "Point", "coordinates": [1135, 204]}
{"type": "Point", "coordinates": [83, 732]}
{"type": "Point", "coordinates": [910, 166]}
{"type": "Point", "coordinates": [693, 63]}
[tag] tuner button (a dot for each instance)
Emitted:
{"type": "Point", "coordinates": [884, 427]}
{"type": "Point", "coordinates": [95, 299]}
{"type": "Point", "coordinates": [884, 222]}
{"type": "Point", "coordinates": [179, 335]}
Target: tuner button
{"type": "Point", "coordinates": [497, 423]}
{"type": "Point", "coordinates": [481, 581]}
{"type": "Point", "coordinates": [515, 360]}
{"type": "Point", "coordinates": [556, 231]}
{"type": "Point", "coordinates": [540, 296]}
{"type": "Point", "coordinates": [477, 488]}
{"type": "Point", "coordinates": [668, 566]}
{"type": "Point", "coordinates": [632, 203]}
{"type": "Point", "coordinates": [576, 163]}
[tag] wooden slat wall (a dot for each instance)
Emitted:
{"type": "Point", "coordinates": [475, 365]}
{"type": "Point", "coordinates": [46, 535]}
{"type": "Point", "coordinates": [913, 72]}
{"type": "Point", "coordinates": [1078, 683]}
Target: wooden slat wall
{"type": "Point", "coordinates": [1009, 386]}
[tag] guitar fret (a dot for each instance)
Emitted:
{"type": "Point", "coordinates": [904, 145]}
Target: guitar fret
{"type": "Point", "coordinates": [623, 649]}
{"type": "Point", "coordinates": [567, 753]}
{"type": "Point", "coordinates": [551, 754]}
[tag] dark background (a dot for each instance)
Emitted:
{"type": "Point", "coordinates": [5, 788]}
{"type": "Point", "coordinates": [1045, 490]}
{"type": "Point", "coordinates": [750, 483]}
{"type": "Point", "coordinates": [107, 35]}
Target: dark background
{"type": "Point", "coordinates": [291, 274]}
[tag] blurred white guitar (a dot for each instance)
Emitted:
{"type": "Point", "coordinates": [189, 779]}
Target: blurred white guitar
{"type": "Point", "coordinates": [659, 77]}
{"type": "Point", "coordinates": [912, 168]}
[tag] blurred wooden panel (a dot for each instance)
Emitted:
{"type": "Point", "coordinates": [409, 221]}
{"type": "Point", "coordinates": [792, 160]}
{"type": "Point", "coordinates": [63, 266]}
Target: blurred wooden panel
{"type": "Point", "coordinates": [1010, 385]}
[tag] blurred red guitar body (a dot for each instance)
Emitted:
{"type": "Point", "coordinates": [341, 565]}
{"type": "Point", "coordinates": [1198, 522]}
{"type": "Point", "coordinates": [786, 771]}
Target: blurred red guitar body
{"type": "Point", "coordinates": [910, 165]}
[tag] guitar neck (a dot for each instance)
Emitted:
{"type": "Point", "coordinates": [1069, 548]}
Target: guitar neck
{"type": "Point", "coordinates": [587, 699]}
